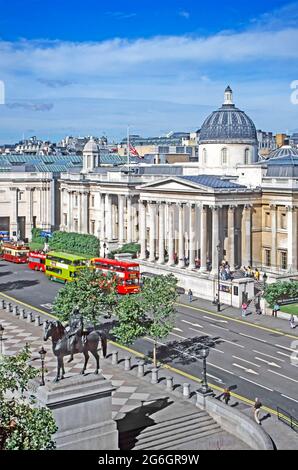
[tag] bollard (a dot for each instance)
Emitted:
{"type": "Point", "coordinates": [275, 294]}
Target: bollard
{"type": "Point", "coordinates": [9, 307]}
{"type": "Point", "coordinates": [37, 320]}
{"type": "Point", "coordinates": [141, 366]}
{"type": "Point", "coordinates": [127, 365]}
{"type": "Point", "coordinates": [15, 310]}
{"type": "Point", "coordinates": [22, 314]}
{"type": "Point", "coordinates": [115, 358]}
{"type": "Point", "coordinates": [170, 386]}
{"type": "Point", "coordinates": [29, 317]}
{"type": "Point", "coordinates": [186, 390]}
{"type": "Point", "coordinates": [154, 376]}
{"type": "Point", "coordinates": [2, 304]}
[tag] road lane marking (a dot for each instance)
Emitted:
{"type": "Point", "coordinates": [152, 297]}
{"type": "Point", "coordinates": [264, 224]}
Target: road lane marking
{"type": "Point", "coordinates": [253, 337]}
{"type": "Point", "coordinates": [249, 371]}
{"type": "Point", "coordinates": [268, 355]}
{"type": "Point", "coordinates": [231, 342]}
{"type": "Point", "coordinates": [267, 362]}
{"type": "Point", "coordinates": [285, 376]}
{"type": "Point", "coordinates": [221, 368]}
{"type": "Point", "coordinates": [193, 324]}
{"type": "Point", "coordinates": [221, 327]}
{"type": "Point", "coordinates": [244, 360]}
{"type": "Point", "coordinates": [259, 385]}
{"type": "Point", "coordinates": [283, 354]}
{"type": "Point", "coordinates": [178, 336]}
{"type": "Point", "coordinates": [290, 398]}
{"type": "Point", "coordinates": [178, 329]}
{"type": "Point", "coordinates": [215, 319]}
{"type": "Point", "coordinates": [236, 320]}
{"type": "Point", "coordinates": [284, 347]}
{"type": "Point", "coordinates": [212, 376]}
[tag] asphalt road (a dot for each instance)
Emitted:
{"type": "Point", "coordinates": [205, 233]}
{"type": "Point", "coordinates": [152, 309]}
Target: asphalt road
{"type": "Point", "coordinates": [253, 362]}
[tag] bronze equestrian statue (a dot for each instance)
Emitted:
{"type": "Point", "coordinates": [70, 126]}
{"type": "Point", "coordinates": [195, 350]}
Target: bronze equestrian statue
{"type": "Point", "coordinates": [75, 340]}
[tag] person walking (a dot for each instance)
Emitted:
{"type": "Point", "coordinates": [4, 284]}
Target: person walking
{"type": "Point", "coordinates": [190, 295]}
{"type": "Point", "coordinates": [244, 309]}
{"type": "Point", "coordinates": [257, 409]}
{"type": "Point", "coordinates": [275, 310]}
{"type": "Point", "coordinates": [292, 321]}
{"type": "Point", "coordinates": [226, 396]}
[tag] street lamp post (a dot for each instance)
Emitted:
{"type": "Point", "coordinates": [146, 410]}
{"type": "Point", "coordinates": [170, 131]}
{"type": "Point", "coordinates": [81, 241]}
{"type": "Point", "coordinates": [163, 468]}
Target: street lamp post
{"type": "Point", "coordinates": [104, 249]}
{"type": "Point", "coordinates": [218, 278]}
{"type": "Point", "coordinates": [1, 337]}
{"type": "Point", "coordinates": [203, 354]}
{"type": "Point", "coordinates": [42, 354]}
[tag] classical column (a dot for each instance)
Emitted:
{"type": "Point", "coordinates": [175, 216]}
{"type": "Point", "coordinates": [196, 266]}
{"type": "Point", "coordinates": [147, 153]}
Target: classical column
{"type": "Point", "coordinates": [161, 233]}
{"type": "Point", "coordinates": [246, 238]}
{"type": "Point", "coordinates": [273, 208]}
{"type": "Point", "coordinates": [152, 233]}
{"type": "Point", "coordinates": [85, 211]}
{"type": "Point", "coordinates": [121, 219]}
{"type": "Point", "coordinates": [29, 211]}
{"type": "Point", "coordinates": [181, 253]}
{"type": "Point", "coordinates": [108, 217]}
{"type": "Point", "coordinates": [292, 238]}
{"type": "Point", "coordinates": [129, 220]}
{"type": "Point", "coordinates": [142, 225]}
{"type": "Point", "coordinates": [70, 217]}
{"type": "Point", "coordinates": [14, 212]}
{"type": "Point", "coordinates": [203, 228]}
{"type": "Point", "coordinates": [102, 217]}
{"type": "Point", "coordinates": [215, 239]}
{"type": "Point", "coordinates": [171, 260]}
{"type": "Point", "coordinates": [231, 237]}
{"type": "Point", "coordinates": [192, 215]}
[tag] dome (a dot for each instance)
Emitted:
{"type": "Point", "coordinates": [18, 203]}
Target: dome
{"type": "Point", "coordinates": [91, 146]}
{"type": "Point", "coordinates": [284, 151]}
{"type": "Point", "coordinates": [228, 125]}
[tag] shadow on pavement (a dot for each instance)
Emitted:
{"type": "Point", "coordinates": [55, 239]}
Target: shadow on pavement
{"type": "Point", "coordinates": [8, 286]}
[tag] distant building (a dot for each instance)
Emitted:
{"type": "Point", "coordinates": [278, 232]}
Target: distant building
{"type": "Point", "coordinates": [266, 141]}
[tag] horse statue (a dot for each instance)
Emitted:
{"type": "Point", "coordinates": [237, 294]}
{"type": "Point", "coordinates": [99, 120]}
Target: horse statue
{"type": "Point", "coordinates": [76, 340]}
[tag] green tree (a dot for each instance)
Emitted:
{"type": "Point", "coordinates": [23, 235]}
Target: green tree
{"type": "Point", "coordinates": [93, 293]}
{"type": "Point", "coordinates": [152, 312]}
{"type": "Point", "coordinates": [279, 291]}
{"type": "Point", "coordinates": [23, 425]}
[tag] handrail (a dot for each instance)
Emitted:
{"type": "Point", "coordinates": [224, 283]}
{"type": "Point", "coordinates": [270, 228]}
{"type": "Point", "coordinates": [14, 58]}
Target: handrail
{"type": "Point", "coordinates": [287, 418]}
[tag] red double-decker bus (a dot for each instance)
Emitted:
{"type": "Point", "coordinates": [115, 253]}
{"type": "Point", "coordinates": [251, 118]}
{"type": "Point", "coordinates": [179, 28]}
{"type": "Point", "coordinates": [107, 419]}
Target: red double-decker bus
{"type": "Point", "coordinates": [14, 252]}
{"type": "Point", "coordinates": [127, 273]}
{"type": "Point", "coordinates": [37, 261]}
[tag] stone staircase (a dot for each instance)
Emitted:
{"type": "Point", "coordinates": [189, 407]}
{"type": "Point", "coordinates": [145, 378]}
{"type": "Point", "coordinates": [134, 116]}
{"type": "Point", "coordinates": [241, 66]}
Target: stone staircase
{"type": "Point", "coordinates": [170, 433]}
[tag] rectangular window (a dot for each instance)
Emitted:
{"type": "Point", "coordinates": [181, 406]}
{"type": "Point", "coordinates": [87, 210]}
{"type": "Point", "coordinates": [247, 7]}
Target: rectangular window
{"type": "Point", "coordinates": [76, 200]}
{"type": "Point", "coordinates": [283, 260]}
{"type": "Point", "coordinates": [283, 221]}
{"type": "Point", "coordinates": [267, 257]}
{"type": "Point", "coordinates": [92, 201]}
{"type": "Point", "coordinates": [65, 219]}
{"type": "Point", "coordinates": [267, 219]}
{"type": "Point", "coordinates": [92, 227]}
{"type": "Point", "coordinates": [76, 225]}
{"type": "Point", "coordinates": [21, 194]}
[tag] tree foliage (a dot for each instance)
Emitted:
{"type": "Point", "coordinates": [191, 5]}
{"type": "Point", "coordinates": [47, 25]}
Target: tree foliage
{"type": "Point", "coordinates": [75, 243]}
{"type": "Point", "coordinates": [23, 425]}
{"type": "Point", "coordinates": [92, 292]}
{"type": "Point", "coordinates": [151, 312]}
{"type": "Point", "coordinates": [279, 291]}
{"type": "Point", "coordinates": [132, 248]}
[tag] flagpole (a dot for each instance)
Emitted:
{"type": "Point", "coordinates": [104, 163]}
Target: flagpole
{"type": "Point", "coordinates": [128, 150]}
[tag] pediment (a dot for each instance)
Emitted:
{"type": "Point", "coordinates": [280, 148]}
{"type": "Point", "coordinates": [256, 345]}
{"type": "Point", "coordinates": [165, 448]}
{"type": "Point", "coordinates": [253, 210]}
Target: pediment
{"type": "Point", "coordinates": [172, 184]}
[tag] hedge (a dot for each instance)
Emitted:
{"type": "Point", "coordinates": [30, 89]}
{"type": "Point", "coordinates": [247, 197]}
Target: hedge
{"type": "Point", "coordinates": [75, 243]}
{"type": "Point", "coordinates": [132, 248]}
{"type": "Point", "coordinates": [279, 291]}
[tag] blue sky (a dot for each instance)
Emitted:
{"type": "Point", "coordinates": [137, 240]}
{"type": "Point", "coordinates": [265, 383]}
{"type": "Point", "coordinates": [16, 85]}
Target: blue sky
{"type": "Point", "coordinates": [93, 67]}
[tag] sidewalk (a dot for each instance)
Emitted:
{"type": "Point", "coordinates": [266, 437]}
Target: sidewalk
{"type": "Point", "coordinates": [263, 320]}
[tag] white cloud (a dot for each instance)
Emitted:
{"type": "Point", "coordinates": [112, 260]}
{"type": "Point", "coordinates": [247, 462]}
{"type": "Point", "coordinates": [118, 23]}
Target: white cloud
{"type": "Point", "coordinates": [184, 14]}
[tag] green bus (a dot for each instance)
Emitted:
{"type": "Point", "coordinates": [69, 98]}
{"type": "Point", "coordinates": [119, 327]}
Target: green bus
{"type": "Point", "coordinates": [63, 267]}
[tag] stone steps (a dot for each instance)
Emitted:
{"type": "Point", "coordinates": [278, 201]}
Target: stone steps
{"type": "Point", "coordinates": [170, 432]}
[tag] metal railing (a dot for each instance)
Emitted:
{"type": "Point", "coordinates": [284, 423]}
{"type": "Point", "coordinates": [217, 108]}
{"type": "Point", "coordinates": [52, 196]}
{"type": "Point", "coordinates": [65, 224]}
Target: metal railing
{"type": "Point", "coordinates": [287, 418]}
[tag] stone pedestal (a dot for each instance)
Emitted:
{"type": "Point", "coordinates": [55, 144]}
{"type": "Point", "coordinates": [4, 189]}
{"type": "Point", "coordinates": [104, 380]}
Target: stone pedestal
{"type": "Point", "coordinates": [82, 408]}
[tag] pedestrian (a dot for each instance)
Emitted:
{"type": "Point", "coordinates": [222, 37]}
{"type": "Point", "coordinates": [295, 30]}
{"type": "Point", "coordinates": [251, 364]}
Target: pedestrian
{"type": "Point", "coordinates": [226, 396]}
{"type": "Point", "coordinates": [257, 409]}
{"type": "Point", "coordinates": [244, 309]}
{"type": "Point", "coordinates": [190, 295]}
{"type": "Point", "coordinates": [276, 308]}
{"type": "Point", "coordinates": [292, 321]}
{"type": "Point", "coordinates": [257, 274]}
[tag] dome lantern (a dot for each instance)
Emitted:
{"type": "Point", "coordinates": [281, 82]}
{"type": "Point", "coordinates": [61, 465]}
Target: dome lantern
{"type": "Point", "coordinates": [228, 97]}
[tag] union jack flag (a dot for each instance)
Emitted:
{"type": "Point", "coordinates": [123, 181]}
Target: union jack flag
{"type": "Point", "coordinates": [133, 151]}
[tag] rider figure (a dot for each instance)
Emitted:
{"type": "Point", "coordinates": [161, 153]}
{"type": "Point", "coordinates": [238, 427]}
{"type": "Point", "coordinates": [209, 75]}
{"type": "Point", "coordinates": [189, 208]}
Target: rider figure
{"type": "Point", "coordinates": [76, 331]}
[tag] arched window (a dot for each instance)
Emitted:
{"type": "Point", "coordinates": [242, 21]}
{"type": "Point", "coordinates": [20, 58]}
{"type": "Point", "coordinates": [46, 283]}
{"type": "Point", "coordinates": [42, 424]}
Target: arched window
{"type": "Point", "coordinates": [204, 156]}
{"type": "Point", "coordinates": [89, 161]}
{"type": "Point", "coordinates": [224, 156]}
{"type": "Point", "coordinates": [246, 156]}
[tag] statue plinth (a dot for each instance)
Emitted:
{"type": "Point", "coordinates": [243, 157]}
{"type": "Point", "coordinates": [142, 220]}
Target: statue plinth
{"type": "Point", "coordinates": [82, 408]}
